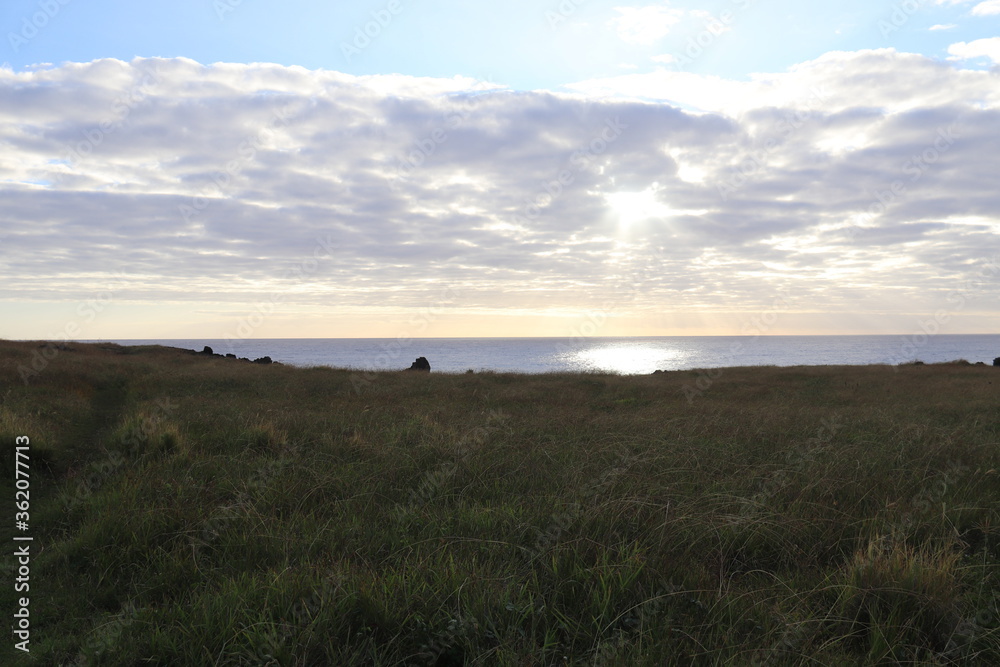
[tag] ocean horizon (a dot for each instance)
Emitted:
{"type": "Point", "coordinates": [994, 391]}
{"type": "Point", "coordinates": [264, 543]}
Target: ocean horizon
{"type": "Point", "coordinates": [624, 355]}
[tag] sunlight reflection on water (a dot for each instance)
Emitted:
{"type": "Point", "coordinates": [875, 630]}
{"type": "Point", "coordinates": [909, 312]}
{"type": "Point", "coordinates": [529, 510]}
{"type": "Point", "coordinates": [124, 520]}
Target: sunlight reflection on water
{"type": "Point", "coordinates": [628, 359]}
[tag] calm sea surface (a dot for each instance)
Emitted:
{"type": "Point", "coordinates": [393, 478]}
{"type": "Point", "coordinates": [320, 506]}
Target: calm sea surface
{"type": "Point", "coordinates": [619, 355]}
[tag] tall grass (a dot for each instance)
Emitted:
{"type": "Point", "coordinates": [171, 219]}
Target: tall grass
{"type": "Point", "coordinates": [194, 510]}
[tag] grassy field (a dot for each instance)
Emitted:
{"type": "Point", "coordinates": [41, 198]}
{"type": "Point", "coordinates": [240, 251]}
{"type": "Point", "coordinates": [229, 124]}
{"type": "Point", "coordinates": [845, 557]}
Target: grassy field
{"type": "Point", "coordinates": [192, 510]}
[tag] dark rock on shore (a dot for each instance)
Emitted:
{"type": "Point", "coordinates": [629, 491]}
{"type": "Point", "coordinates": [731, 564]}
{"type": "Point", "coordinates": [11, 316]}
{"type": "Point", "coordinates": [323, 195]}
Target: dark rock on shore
{"type": "Point", "coordinates": [421, 364]}
{"type": "Point", "coordinates": [211, 353]}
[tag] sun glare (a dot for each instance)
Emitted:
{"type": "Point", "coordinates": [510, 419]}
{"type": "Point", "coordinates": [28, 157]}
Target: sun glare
{"type": "Point", "coordinates": [633, 207]}
{"type": "Point", "coordinates": [628, 358]}
{"type": "Point", "coordinates": [636, 207]}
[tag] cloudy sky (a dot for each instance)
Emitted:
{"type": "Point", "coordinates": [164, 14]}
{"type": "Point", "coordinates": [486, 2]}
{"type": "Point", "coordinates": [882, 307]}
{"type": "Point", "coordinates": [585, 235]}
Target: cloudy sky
{"type": "Point", "coordinates": [213, 168]}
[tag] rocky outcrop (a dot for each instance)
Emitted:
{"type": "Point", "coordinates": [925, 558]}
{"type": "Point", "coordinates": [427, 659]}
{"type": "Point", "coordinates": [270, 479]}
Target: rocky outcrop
{"type": "Point", "coordinates": [209, 352]}
{"type": "Point", "coordinates": [421, 364]}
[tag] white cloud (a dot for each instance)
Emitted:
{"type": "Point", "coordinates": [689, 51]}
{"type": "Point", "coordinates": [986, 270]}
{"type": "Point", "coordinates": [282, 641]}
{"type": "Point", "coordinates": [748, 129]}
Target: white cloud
{"type": "Point", "coordinates": [837, 80]}
{"type": "Point", "coordinates": [218, 184]}
{"type": "Point", "coordinates": [987, 8]}
{"type": "Point", "coordinates": [980, 48]}
{"type": "Point", "coordinates": [645, 25]}
{"type": "Point", "coordinates": [982, 8]}
{"type": "Point", "coordinates": [941, 26]}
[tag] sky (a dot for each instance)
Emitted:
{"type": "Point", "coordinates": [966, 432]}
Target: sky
{"type": "Point", "coordinates": [401, 168]}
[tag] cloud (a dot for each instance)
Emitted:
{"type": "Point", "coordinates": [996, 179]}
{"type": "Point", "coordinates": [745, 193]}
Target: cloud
{"type": "Point", "coordinates": [941, 26]}
{"type": "Point", "coordinates": [851, 179]}
{"type": "Point", "coordinates": [647, 24]}
{"type": "Point", "coordinates": [987, 8]}
{"type": "Point", "coordinates": [980, 48]}
{"type": "Point", "coordinates": [982, 8]}
{"type": "Point", "coordinates": [835, 81]}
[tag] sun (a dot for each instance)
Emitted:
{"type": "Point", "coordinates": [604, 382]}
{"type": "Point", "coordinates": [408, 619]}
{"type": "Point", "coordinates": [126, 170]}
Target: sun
{"type": "Point", "coordinates": [634, 207]}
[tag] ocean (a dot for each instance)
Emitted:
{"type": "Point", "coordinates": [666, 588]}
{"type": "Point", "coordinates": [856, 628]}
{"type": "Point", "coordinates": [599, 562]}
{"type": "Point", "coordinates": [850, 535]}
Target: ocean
{"type": "Point", "coordinates": [627, 356]}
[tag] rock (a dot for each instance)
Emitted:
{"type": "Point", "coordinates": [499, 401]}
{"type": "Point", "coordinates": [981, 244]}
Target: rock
{"type": "Point", "coordinates": [262, 360]}
{"type": "Point", "coordinates": [996, 362]}
{"type": "Point", "coordinates": [207, 350]}
{"type": "Point", "coordinates": [421, 364]}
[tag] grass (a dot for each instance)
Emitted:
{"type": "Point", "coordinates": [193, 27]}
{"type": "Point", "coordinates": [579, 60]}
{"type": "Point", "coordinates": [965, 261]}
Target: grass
{"type": "Point", "coordinates": [191, 510]}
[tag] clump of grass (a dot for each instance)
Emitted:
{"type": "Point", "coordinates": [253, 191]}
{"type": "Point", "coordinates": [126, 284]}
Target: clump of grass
{"type": "Point", "coordinates": [143, 435]}
{"type": "Point", "coordinates": [261, 437]}
{"type": "Point", "coordinates": [900, 603]}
